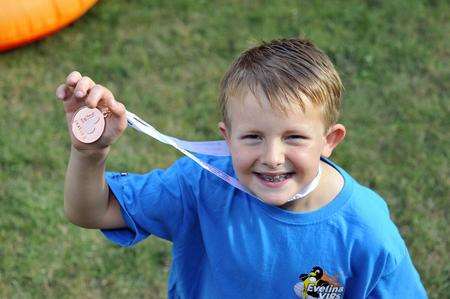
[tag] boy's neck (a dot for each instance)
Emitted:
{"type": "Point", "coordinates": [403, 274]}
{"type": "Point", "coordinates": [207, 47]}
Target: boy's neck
{"type": "Point", "coordinates": [331, 183]}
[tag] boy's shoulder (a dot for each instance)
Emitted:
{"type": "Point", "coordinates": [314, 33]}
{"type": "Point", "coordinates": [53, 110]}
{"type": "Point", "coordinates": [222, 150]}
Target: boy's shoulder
{"type": "Point", "coordinates": [187, 164]}
{"type": "Point", "coordinates": [197, 175]}
{"type": "Point", "coordinates": [365, 208]}
{"type": "Point", "coordinates": [367, 219]}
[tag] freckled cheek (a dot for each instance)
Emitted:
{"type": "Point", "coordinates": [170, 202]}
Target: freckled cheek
{"type": "Point", "coordinates": [300, 160]}
{"type": "Point", "coordinates": [243, 160]}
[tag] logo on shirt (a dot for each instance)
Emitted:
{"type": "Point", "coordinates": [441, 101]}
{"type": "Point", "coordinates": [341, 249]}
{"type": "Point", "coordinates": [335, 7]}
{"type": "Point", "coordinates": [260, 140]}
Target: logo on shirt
{"type": "Point", "coordinates": [318, 284]}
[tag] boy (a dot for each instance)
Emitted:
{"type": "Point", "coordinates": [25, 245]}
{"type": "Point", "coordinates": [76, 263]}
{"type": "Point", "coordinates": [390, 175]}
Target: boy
{"type": "Point", "coordinates": [280, 104]}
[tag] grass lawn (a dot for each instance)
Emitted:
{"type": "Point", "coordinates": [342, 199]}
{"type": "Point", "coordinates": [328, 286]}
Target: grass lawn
{"type": "Point", "coordinates": [164, 60]}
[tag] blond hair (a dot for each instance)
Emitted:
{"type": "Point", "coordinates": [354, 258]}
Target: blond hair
{"type": "Point", "coordinates": [287, 71]}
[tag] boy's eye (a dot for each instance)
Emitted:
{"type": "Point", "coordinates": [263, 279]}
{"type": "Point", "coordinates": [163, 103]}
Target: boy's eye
{"type": "Point", "coordinates": [296, 137]}
{"type": "Point", "coordinates": [250, 136]}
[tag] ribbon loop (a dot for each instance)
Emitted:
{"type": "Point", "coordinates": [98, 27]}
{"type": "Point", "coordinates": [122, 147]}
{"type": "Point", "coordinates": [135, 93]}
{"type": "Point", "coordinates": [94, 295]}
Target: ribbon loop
{"type": "Point", "coordinates": [213, 148]}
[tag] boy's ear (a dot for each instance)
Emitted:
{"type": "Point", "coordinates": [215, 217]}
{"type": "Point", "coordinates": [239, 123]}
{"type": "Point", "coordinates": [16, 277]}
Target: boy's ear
{"type": "Point", "coordinates": [224, 132]}
{"type": "Point", "coordinates": [334, 136]}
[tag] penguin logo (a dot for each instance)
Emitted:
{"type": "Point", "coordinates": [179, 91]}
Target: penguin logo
{"type": "Point", "coordinates": [318, 284]}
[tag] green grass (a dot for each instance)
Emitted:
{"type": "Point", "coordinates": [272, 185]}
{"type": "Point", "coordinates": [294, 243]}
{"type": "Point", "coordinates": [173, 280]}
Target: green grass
{"type": "Point", "coordinates": [164, 60]}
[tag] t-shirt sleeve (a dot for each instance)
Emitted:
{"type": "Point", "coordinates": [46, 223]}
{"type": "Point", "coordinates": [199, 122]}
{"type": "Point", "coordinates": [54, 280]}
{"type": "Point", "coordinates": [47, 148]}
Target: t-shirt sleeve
{"type": "Point", "coordinates": [402, 282]}
{"type": "Point", "coordinates": [381, 264]}
{"type": "Point", "coordinates": [159, 202]}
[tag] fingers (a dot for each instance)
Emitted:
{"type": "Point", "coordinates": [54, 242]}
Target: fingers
{"type": "Point", "coordinates": [64, 91]}
{"type": "Point", "coordinates": [118, 108]}
{"type": "Point", "coordinates": [61, 91]}
{"type": "Point", "coordinates": [99, 93]}
{"type": "Point", "coordinates": [96, 94]}
{"type": "Point", "coordinates": [73, 78]}
{"type": "Point", "coordinates": [83, 86]}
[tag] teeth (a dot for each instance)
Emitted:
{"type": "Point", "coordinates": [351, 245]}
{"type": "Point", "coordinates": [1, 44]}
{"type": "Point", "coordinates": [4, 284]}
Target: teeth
{"type": "Point", "coordinates": [276, 178]}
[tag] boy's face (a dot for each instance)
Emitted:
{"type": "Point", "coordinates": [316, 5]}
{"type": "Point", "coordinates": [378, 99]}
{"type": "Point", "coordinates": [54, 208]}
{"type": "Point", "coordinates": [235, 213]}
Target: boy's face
{"type": "Point", "coordinates": [275, 155]}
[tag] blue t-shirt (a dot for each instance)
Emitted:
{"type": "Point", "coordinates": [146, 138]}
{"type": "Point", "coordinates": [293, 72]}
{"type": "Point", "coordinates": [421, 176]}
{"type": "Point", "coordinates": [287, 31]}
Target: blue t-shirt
{"type": "Point", "coordinates": [229, 244]}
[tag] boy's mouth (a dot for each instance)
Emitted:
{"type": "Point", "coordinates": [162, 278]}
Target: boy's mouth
{"type": "Point", "coordinates": [274, 178]}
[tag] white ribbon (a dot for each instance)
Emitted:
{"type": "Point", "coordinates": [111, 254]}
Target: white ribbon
{"type": "Point", "coordinates": [213, 148]}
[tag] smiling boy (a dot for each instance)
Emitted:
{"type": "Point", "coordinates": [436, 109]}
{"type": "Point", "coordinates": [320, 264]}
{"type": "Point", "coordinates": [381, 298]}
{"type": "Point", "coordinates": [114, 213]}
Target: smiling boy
{"type": "Point", "coordinates": [275, 153]}
{"type": "Point", "coordinates": [280, 104]}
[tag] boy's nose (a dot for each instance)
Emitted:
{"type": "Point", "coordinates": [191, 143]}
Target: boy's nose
{"type": "Point", "coordinates": [273, 155]}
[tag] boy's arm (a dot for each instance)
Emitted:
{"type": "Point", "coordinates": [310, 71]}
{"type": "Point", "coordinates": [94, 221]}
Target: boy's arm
{"type": "Point", "coordinates": [87, 199]}
{"type": "Point", "coordinates": [402, 282]}
{"type": "Point", "coordinates": [88, 202]}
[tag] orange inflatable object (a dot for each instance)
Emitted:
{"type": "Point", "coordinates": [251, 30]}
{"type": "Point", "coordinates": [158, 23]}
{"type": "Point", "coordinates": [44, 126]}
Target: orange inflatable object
{"type": "Point", "coordinates": [24, 21]}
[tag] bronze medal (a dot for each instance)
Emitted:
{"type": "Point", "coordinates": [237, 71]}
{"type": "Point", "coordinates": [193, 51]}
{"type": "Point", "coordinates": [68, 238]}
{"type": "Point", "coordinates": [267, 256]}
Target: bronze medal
{"type": "Point", "coordinates": [88, 124]}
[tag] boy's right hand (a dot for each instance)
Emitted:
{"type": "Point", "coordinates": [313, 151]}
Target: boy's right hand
{"type": "Point", "coordinates": [79, 91]}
